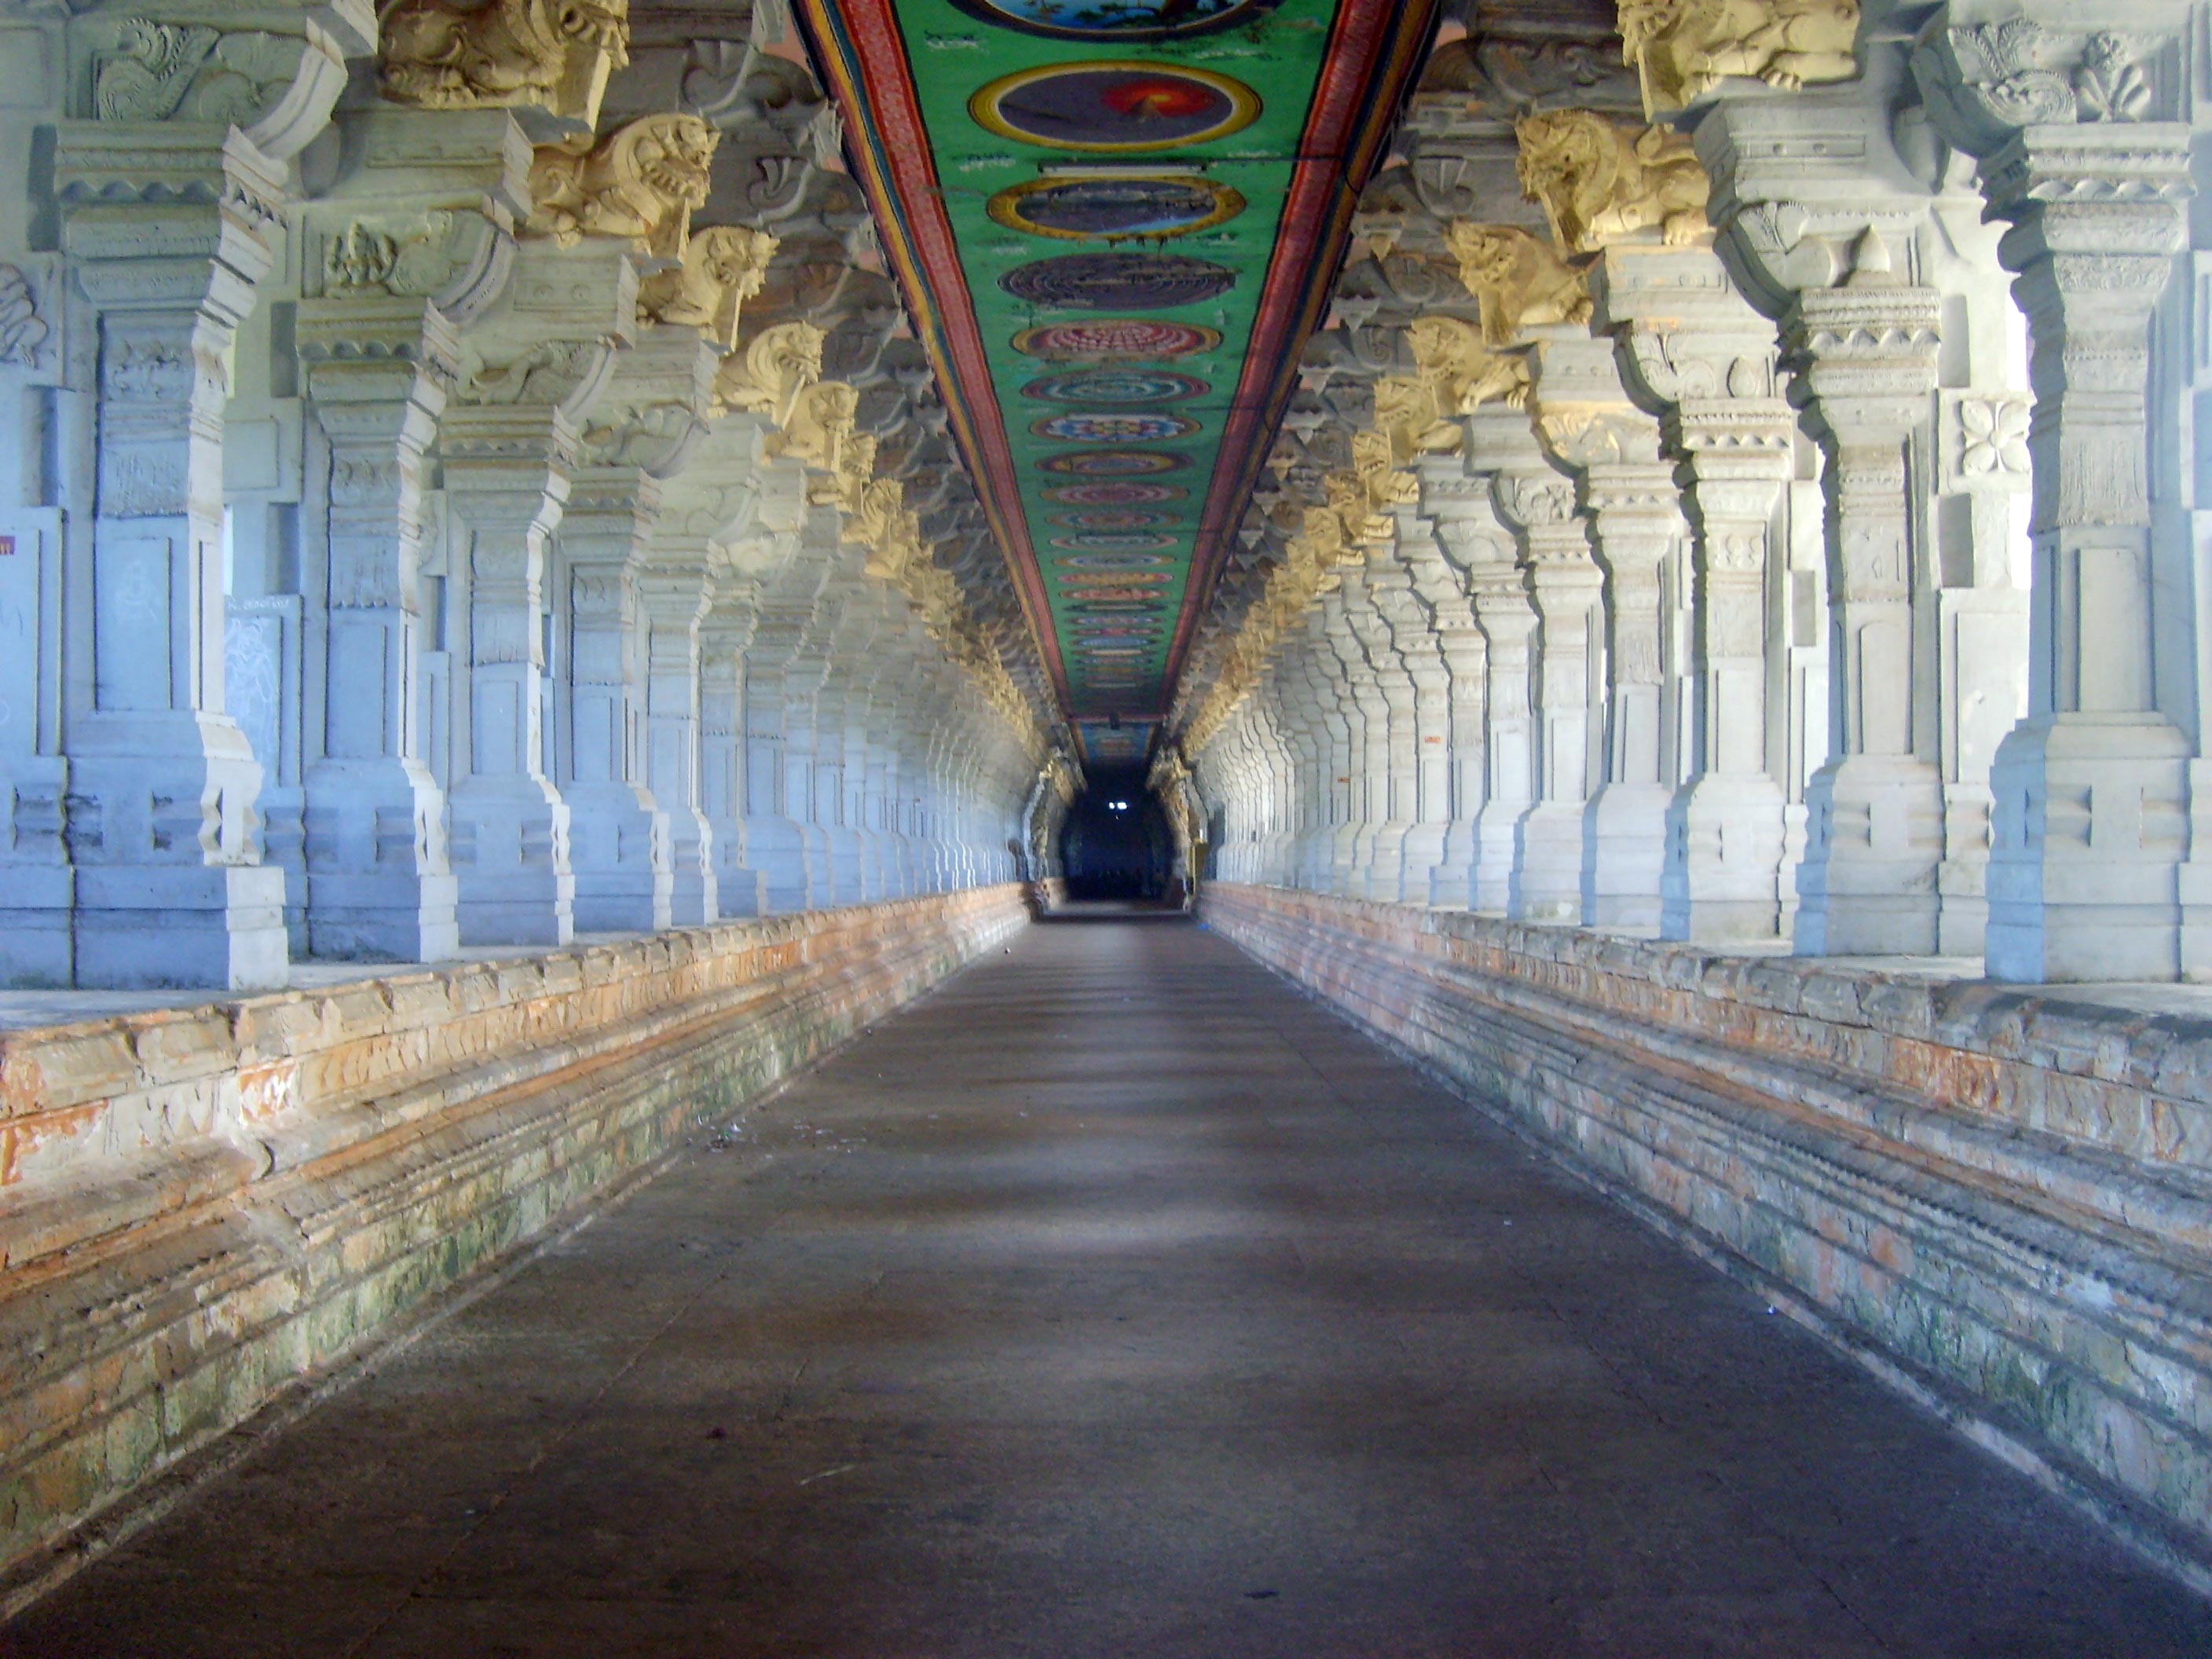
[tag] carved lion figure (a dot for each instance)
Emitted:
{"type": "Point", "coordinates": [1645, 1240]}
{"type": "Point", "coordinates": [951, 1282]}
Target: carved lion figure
{"type": "Point", "coordinates": [1682, 49]}
{"type": "Point", "coordinates": [769, 376]}
{"type": "Point", "coordinates": [1518, 280]}
{"type": "Point", "coordinates": [723, 267]}
{"type": "Point", "coordinates": [1599, 179]}
{"type": "Point", "coordinates": [552, 54]}
{"type": "Point", "coordinates": [820, 426]}
{"type": "Point", "coordinates": [1466, 371]}
{"type": "Point", "coordinates": [641, 182]}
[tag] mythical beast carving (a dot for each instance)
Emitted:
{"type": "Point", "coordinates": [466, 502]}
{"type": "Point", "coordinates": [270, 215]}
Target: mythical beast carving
{"type": "Point", "coordinates": [724, 266]}
{"type": "Point", "coordinates": [1599, 179]}
{"type": "Point", "coordinates": [1518, 280]}
{"type": "Point", "coordinates": [641, 181]}
{"type": "Point", "coordinates": [1682, 49]}
{"type": "Point", "coordinates": [554, 54]}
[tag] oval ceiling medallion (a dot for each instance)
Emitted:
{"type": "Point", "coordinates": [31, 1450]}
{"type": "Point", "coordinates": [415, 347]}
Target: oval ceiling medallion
{"type": "Point", "coordinates": [1124, 608]}
{"type": "Point", "coordinates": [1115, 107]}
{"type": "Point", "coordinates": [1085, 209]}
{"type": "Point", "coordinates": [1123, 340]}
{"type": "Point", "coordinates": [1112, 462]}
{"type": "Point", "coordinates": [1115, 494]}
{"type": "Point", "coordinates": [1113, 520]}
{"type": "Point", "coordinates": [1118, 282]}
{"type": "Point", "coordinates": [1110, 562]}
{"type": "Point", "coordinates": [1111, 541]}
{"type": "Point", "coordinates": [1106, 593]}
{"type": "Point", "coordinates": [1114, 429]}
{"type": "Point", "coordinates": [1125, 576]}
{"type": "Point", "coordinates": [1116, 385]}
{"type": "Point", "coordinates": [1117, 20]}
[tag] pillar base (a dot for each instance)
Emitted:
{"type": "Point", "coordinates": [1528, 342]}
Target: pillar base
{"type": "Point", "coordinates": [695, 898]}
{"type": "Point", "coordinates": [1423, 851]}
{"type": "Point", "coordinates": [510, 857]}
{"type": "Point", "coordinates": [1866, 886]}
{"type": "Point", "coordinates": [619, 848]}
{"type": "Point", "coordinates": [1722, 881]}
{"type": "Point", "coordinates": [376, 887]}
{"type": "Point", "coordinates": [775, 849]}
{"type": "Point", "coordinates": [1624, 854]}
{"type": "Point", "coordinates": [149, 927]}
{"type": "Point", "coordinates": [1497, 845]}
{"type": "Point", "coordinates": [1547, 863]}
{"type": "Point", "coordinates": [382, 916]}
{"type": "Point", "coordinates": [1385, 866]}
{"type": "Point", "coordinates": [2095, 895]}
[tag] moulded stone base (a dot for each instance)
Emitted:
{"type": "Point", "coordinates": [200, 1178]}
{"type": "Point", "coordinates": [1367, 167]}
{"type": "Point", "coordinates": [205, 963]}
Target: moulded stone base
{"type": "Point", "coordinates": [1867, 885]}
{"type": "Point", "coordinates": [510, 856]}
{"type": "Point", "coordinates": [618, 849]}
{"type": "Point", "coordinates": [1624, 853]}
{"type": "Point", "coordinates": [1386, 869]}
{"type": "Point", "coordinates": [382, 916]}
{"type": "Point", "coordinates": [1424, 852]}
{"type": "Point", "coordinates": [1547, 863]}
{"type": "Point", "coordinates": [37, 945]}
{"type": "Point", "coordinates": [1497, 845]}
{"type": "Point", "coordinates": [775, 848]}
{"type": "Point", "coordinates": [154, 926]}
{"type": "Point", "coordinates": [2096, 895]}
{"type": "Point", "coordinates": [1723, 879]}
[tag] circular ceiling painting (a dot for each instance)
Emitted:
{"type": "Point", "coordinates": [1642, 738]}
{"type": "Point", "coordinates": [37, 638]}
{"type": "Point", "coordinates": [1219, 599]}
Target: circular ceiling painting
{"type": "Point", "coordinates": [1115, 107]}
{"type": "Point", "coordinates": [1117, 20]}
{"type": "Point", "coordinates": [1125, 578]}
{"type": "Point", "coordinates": [1110, 562]}
{"type": "Point", "coordinates": [1132, 427]}
{"type": "Point", "coordinates": [1118, 282]}
{"type": "Point", "coordinates": [1106, 593]}
{"type": "Point", "coordinates": [1111, 520]}
{"type": "Point", "coordinates": [1116, 385]}
{"type": "Point", "coordinates": [1115, 494]}
{"type": "Point", "coordinates": [1169, 204]}
{"type": "Point", "coordinates": [1109, 541]}
{"type": "Point", "coordinates": [1124, 339]}
{"type": "Point", "coordinates": [1112, 462]}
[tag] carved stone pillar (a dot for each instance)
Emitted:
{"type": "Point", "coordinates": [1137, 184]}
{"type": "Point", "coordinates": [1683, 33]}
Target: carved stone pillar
{"type": "Point", "coordinates": [1866, 356]}
{"type": "Point", "coordinates": [725, 638]}
{"type": "Point", "coordinates": [675, 596]}
{"type": "Point", "coordinates": [1447, 492]}
{"type": "Point", "coordinates": [412, 243]}
{"type": "Point", "coordinates": [2093, 790]}
{"type": "Point", "coordinates": [618, 830]}
{"type": "Point", "coordinates": [175, 234]}
{"type": "Point", "coordinates": [1564, 584]}
{"type": "Point", "coordinates": [1694, 350]}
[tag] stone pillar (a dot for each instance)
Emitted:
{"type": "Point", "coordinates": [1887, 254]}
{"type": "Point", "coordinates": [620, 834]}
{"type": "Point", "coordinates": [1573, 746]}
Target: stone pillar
{"type": "Point", "coordinates": [1694, 352]}
{"type": "Point", "coordinates": [1563, 582]}
{"type": "Point", "coordinates": [167, 234]}
{"type": "Point", "coordinates": [2093, 790]}
{"type": "Point", "coordinates": [725, 637]}
{"type": "Point", "coordinates": [618, 830]}
{"type": "Point", "coordinates": [677, 594]}
{"type": "Point", "coordinates": [1866, 356]}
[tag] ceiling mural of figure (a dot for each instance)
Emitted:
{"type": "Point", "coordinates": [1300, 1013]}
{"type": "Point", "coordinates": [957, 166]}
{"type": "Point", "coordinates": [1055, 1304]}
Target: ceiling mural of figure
{"type": "Point", "coordinates": [1118, 107]}
{"type": "Point", "coordinates": [1116, 206]}
{"type": "Point", "coordinates": [1118, 20]}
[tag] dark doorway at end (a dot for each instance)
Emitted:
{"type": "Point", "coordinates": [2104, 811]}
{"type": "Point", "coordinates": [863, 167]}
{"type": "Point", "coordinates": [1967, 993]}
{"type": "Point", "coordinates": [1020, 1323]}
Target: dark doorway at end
{"type": "Point", "coordinates": [1117, 845]}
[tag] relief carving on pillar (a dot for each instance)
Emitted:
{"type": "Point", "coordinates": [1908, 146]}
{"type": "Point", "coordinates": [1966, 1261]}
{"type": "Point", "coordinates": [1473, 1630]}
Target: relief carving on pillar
{"type": "Point", "coordinates": [22, 331]}
{"type": "Point", "coordinates": [1983, 442]}
{"type": "Point", "coordinates": [2017, 73]}
{"type": "Point", "coordinates": [1518, 280]}
{"type": "Point", "coordinates": [547, 54]}
{"type": "Point", "coordinates": [641, 182]}
{"type": "Point", "coordinates": [1599, 179]}
{"type": "Point", "coordinates": [723, 267]}
{"type": "Point", "coordinates": [768, 376]}
{"type": "Point", "coordinates": [190, 72]}
{"type": "Point", "coordinates": [1683, 49]}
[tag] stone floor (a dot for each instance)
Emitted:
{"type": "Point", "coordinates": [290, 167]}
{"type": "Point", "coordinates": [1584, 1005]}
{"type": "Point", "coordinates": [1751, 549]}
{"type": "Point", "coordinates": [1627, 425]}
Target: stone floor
{"type": "Point", "coordinates": [1115, 1301]}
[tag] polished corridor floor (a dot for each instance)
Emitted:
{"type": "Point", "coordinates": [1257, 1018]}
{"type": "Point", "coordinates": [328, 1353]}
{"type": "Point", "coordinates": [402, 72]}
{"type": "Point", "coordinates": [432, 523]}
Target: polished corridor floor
{"type": "Point", "coordinates": [1115, 1301]}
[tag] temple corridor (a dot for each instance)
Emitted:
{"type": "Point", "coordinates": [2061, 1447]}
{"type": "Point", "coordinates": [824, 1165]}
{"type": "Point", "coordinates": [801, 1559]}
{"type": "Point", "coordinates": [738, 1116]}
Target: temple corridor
{"type": "Point", "coordinates": [1114, 1300]}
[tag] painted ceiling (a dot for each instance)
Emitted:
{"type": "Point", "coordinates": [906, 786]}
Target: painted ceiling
{"type": "Point", "coordinates": [1115, 221]}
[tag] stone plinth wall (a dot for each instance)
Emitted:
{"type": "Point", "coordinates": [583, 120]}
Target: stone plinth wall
{"type": "Point", "coordinates": [199, 1207]}
{"type": "Point", "coordinates": [1997, 1198]}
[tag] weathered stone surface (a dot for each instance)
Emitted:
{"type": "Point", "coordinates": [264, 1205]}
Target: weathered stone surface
{"type": "Point", "coordinates": [198, 1207]}
{"type": "Point", "coordinates": [2002, 1197]}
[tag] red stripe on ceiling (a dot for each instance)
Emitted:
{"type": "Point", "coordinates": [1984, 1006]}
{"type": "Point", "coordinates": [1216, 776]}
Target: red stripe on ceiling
{"type": "Point", "coordinates": [1345, 129]}
{"type": "Point", "coordinates": [911, 200]}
